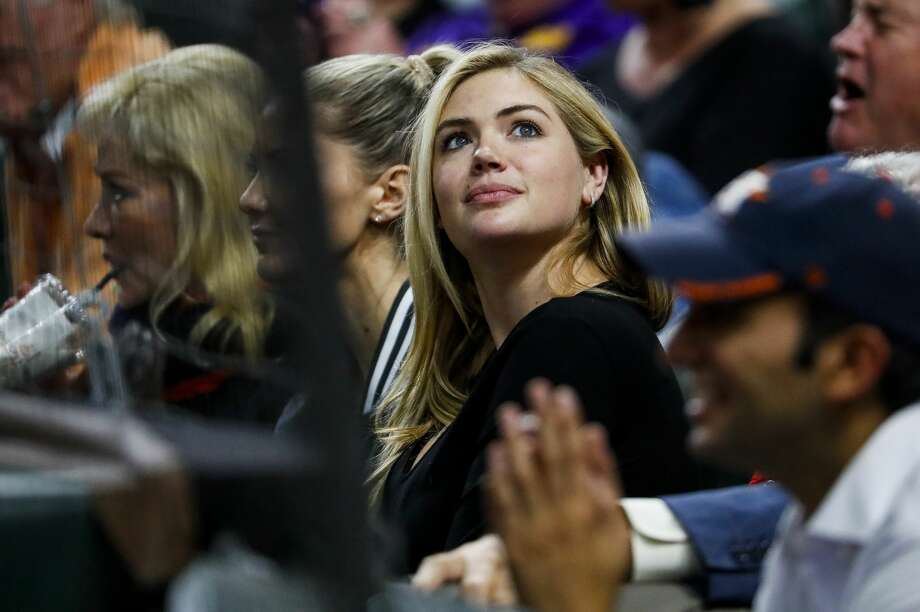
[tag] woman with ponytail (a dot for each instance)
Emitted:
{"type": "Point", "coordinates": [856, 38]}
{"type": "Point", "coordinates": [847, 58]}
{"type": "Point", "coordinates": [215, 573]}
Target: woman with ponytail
{"type": "Point", "coordinates": [364, 109]}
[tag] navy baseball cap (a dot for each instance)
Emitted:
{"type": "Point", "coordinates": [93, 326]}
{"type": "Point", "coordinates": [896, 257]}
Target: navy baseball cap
{"type": "Point", "coordinates": [817, 227]}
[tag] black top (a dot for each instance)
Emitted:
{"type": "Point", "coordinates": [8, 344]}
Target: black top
{"type": "Point", "coordinates": [211, 390]}
{"type": "Point", "coordinates": [760, 94]}
{"type": "Point", "coordinates": [602, 346]}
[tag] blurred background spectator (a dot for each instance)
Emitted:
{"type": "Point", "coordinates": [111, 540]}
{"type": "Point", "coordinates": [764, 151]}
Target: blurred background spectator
{"type": "Point", "coordinates": [570, 30]}
{"type": "Point", "coordinates": [721, 85]}
{"type": "Point", "coordinates": [817, 19]}
{"type": "Point", "coordinates": [53, 52]}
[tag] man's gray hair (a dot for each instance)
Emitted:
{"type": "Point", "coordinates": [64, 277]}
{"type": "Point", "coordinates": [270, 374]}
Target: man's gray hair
{"type": "Point", "coordinates": [903, 168]}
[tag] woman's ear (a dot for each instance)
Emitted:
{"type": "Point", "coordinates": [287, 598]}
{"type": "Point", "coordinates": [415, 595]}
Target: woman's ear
{"type": "Point", "coordinates": [596, 170]}
{"type": "Point", "coordinates": [393, 187]}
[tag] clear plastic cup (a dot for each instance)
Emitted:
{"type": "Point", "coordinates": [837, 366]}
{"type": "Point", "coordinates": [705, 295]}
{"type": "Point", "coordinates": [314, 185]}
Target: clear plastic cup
{"type": "Point", "coordinates": [40, 334]}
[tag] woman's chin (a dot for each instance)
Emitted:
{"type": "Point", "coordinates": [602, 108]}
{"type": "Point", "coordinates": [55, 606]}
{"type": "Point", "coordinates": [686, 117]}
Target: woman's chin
{"type": "Point", "coordinates": [128, 300]}
{"type": "Point", "coordinates": [271, 268]}
{"type": "Point", "coordinates": [128, 294]}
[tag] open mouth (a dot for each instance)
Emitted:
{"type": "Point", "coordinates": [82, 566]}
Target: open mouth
{"type": "Point", "coordinates": [848, 93]}
{"type": "Point", "coordinates": [849, 89]}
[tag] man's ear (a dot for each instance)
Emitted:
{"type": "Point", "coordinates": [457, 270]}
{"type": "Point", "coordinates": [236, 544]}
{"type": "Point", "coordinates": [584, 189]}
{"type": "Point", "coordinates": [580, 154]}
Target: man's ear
{"type": "Point", "coordinates": [393, 186]}
{"type": "Point", "coordinates": [854, 361]}
{"type": "Point", "coordinates": [596, 170]}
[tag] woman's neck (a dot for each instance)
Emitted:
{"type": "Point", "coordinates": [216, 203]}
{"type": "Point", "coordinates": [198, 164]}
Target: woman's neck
{"type": "Point", "coordinates": [508, 292]}
{"type": "Point", "coordinates": [372, 274]}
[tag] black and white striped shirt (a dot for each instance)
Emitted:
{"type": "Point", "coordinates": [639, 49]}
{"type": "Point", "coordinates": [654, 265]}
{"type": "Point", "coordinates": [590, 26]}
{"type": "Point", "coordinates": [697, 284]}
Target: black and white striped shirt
{"type": "Point", "coordinates": [391, 348]}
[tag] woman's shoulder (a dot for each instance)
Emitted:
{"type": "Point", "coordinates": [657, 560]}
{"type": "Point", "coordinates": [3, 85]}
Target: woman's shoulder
{"type": "Point", "coordinates": [594, 313]}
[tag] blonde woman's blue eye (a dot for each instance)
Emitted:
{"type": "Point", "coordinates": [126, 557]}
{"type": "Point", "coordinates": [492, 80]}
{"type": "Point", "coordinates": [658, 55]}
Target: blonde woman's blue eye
{"type": "Point", "coordinates": [454, 142]}
{"type": "Point", "coordinates": [525, 130]}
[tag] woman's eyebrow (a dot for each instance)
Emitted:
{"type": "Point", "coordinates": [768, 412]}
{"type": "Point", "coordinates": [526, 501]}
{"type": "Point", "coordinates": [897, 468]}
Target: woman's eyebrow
{"type": "Point", "coordinates": [455, 122]}
{"type": "Point", "coordinates": [509, 110]}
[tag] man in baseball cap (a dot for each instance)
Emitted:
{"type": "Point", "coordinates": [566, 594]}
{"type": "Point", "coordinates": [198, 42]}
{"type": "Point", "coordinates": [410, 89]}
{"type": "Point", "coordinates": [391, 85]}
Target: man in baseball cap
{"type": "Point", "coordinates": [804, 341]}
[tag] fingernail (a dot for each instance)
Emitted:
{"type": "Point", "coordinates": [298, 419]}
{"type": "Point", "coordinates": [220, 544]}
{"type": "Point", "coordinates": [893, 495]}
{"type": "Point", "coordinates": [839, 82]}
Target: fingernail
{"type": "Point", "coordinates": [566, 398]}
{"type": "Point", "coordinates": [528, 423]}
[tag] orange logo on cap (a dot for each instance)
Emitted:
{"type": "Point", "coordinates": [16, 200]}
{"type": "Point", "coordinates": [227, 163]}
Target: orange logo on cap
{"type": "Point", "coordinates": [821, 175]}
{"type": "Point", "coordinates": [751, 286]}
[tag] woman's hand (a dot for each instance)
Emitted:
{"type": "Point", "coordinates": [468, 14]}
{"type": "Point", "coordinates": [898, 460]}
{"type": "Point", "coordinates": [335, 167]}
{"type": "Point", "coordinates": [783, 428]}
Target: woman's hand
{"type": "Point", "coordinates": [21, 292]}
{"type": "Point", "coordinates": [554, 496]}
{"type": "Point", "coordinates": [480, 568]}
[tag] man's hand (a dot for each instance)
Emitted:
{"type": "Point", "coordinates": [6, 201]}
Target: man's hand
{"type": "Point", "coordinates": [480, 568]}
{"type": "Point", "coordinates": [554, 497]}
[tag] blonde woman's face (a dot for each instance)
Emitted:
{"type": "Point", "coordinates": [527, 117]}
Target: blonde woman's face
{"type": "Point", "coordinates": [506, 172]}
{"type": "Point", "coordinates": [136, 220]}
{"type": "Point", "coordinates": [275, 259]}
{"type": "Point", "coordinates": [349, 195]}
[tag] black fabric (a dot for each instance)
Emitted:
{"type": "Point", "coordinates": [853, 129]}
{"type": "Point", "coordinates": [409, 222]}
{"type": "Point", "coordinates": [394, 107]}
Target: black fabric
{"type": "Point", "coordinates": [602, 346]}
{"type": "Point", "coordinates": [760, 94]}
{"type": "Point", "coordinates": [237, 397]}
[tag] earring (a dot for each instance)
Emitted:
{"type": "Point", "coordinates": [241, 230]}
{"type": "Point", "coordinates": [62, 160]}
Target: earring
{"type": "Point", "coordinates": [378, 219]}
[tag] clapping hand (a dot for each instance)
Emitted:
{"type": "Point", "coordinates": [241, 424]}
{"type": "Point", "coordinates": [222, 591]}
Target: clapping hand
{"type": "Point", "coordinates": [554, 500]}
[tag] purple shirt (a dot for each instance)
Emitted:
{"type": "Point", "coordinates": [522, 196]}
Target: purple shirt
{"type": "Point", "coordinates": [571, 33]}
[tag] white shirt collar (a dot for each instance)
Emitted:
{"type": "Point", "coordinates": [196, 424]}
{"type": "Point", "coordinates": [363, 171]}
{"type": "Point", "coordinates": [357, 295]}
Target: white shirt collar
{"type": "Point", "coordinates": [864, 494]}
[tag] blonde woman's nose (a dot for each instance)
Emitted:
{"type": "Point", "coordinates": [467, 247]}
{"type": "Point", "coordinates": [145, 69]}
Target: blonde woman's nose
{"type": "Point", "coordinates": [253, 199]}
{"type": "Point", "coordinates": [485, 158]}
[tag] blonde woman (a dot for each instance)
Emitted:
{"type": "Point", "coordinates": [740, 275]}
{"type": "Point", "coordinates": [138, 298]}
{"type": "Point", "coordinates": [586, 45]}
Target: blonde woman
{"type": "Point", "coordinates": [519, 187]}
{"type": "Point", "coordinates": [364, 108]}
{"type": "Point", "coordinates": [172, 138]}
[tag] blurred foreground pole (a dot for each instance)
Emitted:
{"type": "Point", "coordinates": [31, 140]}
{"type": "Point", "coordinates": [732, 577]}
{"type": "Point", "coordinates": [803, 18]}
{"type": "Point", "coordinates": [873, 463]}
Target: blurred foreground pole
{"type": "Point", "coordinates": [331, 423]}
{"type": "Point", "coordinates": [333, 544]}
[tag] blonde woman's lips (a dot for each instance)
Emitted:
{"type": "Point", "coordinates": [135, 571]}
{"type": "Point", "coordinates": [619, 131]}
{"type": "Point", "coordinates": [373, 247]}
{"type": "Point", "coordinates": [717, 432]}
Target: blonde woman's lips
{"type": "Point", "coordinates": [261, 237]}
{"type": "Point", "coordinates": [491, 193]}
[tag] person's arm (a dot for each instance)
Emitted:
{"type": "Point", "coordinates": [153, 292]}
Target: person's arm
{"type": "Point", "coordinates": [717, 536]}
{"type": "Point", "coordinates": [730, 530]}
{"type": "Point", "coordinates": [480, 568]}
{"type": "Point", "coordinates": [661, 550]}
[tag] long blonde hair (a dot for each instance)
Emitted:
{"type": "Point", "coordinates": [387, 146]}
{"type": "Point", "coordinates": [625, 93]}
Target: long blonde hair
{"type": "Point", "coordinates": [190, 118]}
{"type": "Point", "coordinates": [451, 338]}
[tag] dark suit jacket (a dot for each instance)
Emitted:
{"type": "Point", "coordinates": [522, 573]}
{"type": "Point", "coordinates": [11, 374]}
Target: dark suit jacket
{"type": "Point", "coordinates": [730, 530]}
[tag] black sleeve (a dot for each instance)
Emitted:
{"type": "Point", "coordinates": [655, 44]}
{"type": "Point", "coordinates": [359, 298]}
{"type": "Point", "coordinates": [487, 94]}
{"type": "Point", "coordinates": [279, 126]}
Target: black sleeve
{"type": "Point", "coordinates": [609, 366]}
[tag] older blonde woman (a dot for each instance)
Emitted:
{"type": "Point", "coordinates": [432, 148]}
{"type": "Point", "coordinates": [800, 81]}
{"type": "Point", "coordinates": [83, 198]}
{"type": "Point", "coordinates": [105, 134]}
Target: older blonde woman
{"type": "Point", "coordinates": [172, 138]}
{"type": "Point", "coordinates": [519, 185]}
